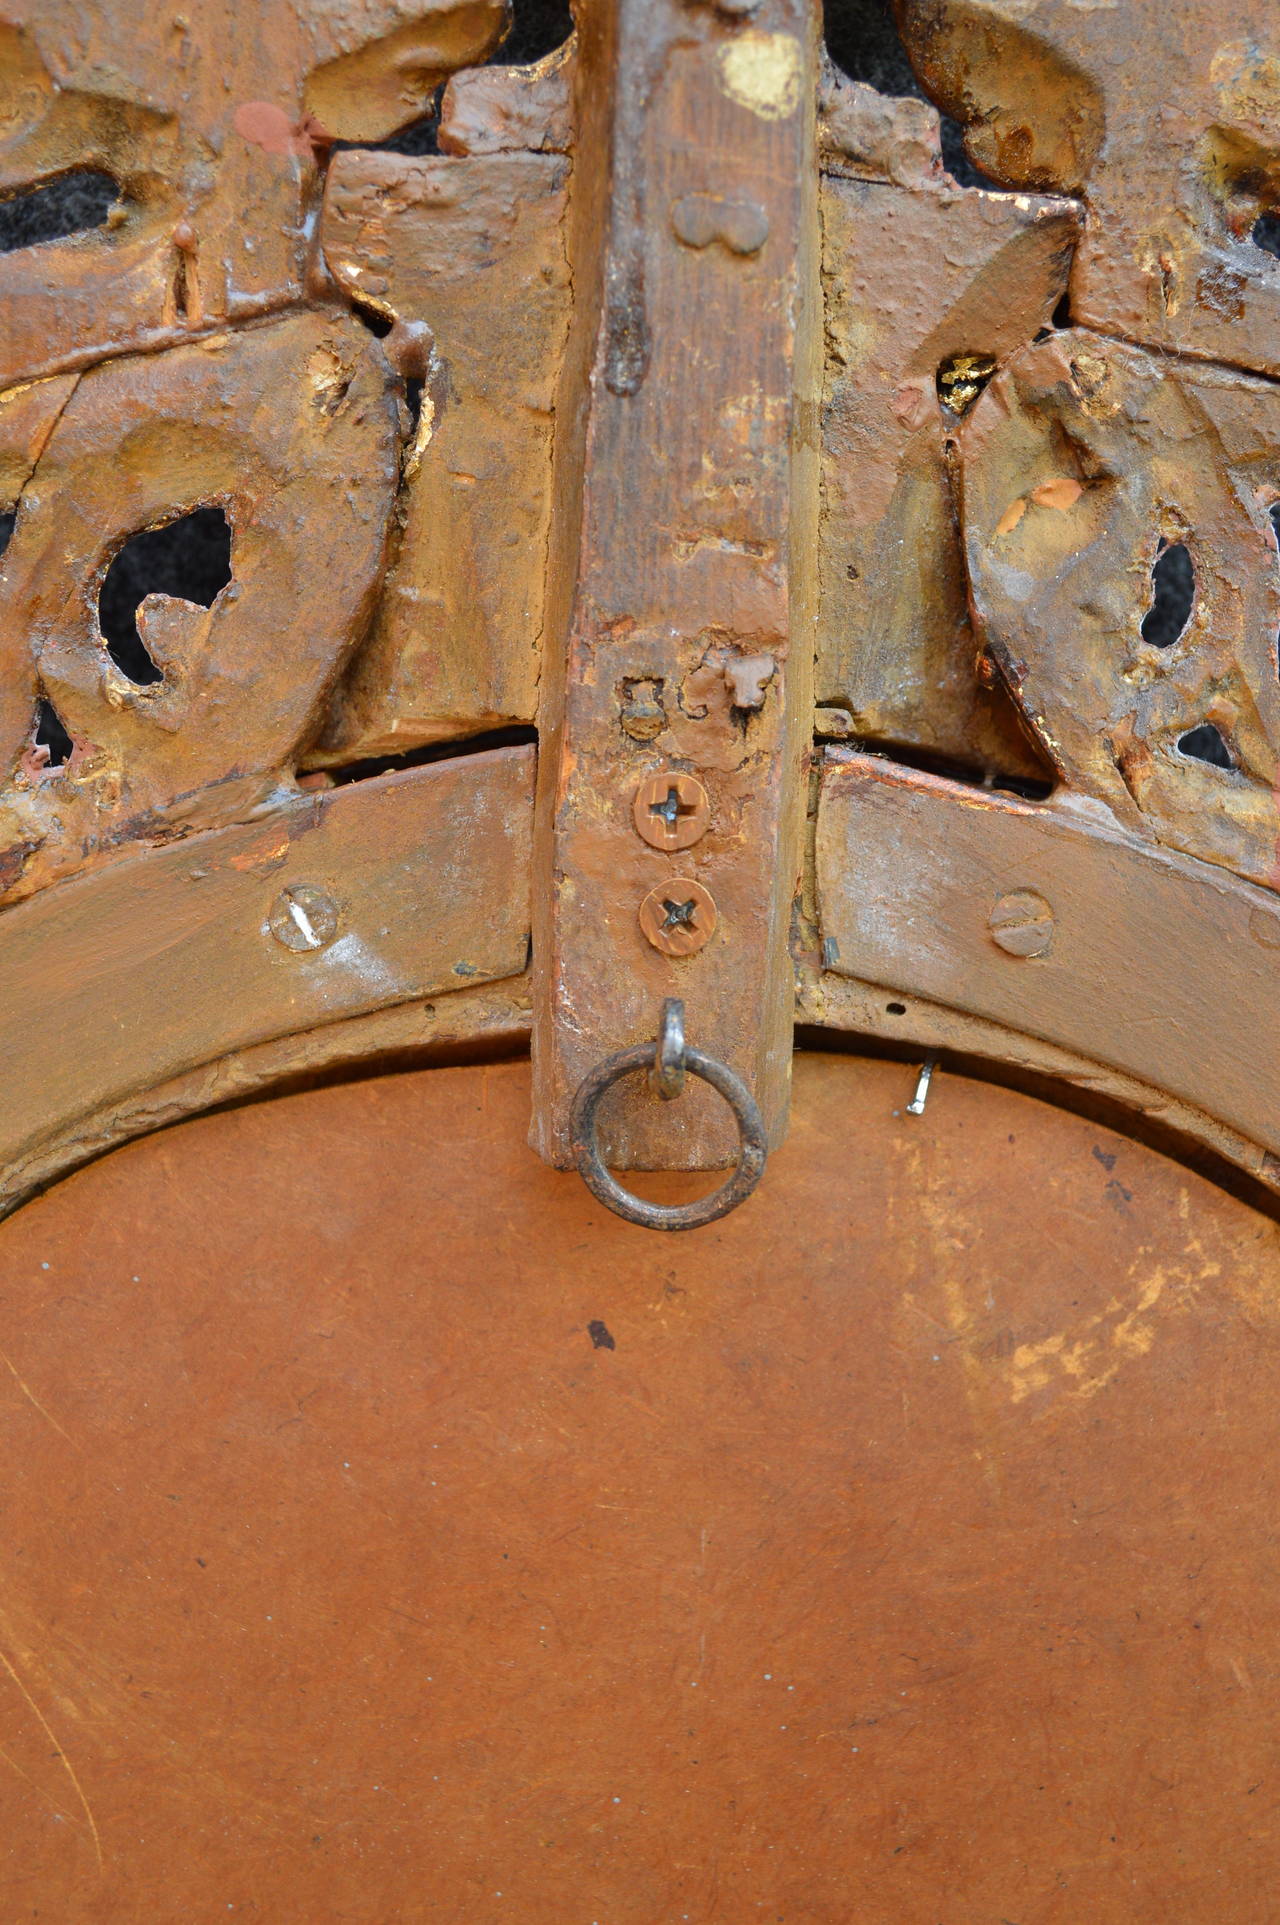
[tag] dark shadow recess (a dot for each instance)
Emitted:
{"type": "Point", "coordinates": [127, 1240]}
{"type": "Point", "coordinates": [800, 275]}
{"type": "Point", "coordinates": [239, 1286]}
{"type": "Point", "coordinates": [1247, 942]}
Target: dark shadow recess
{"type": "Point", "coordinates": [188, 558]}
{"type": "Point", "coordinates": [538, 27]}
{"type": "Point", "coordinates": [1108, 1111]}
{"type": "Point", "coordinates": [54, 210]}
{"type": "Point", "coordinates": [863, 40]}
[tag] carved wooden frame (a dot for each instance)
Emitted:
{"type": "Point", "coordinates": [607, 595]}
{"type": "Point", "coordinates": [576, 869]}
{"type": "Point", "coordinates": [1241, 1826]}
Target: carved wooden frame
{"type": "Point", "coordinates": [684, 417]}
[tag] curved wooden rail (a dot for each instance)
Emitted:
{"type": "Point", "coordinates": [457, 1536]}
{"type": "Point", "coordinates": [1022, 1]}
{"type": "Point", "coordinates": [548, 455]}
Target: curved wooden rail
{"type": "Point", "coordinates": [116, 986]}
{"type": "Point", "coordinates": [1058, 934]}
{"type": "Point", "coordinates": [156, 987]}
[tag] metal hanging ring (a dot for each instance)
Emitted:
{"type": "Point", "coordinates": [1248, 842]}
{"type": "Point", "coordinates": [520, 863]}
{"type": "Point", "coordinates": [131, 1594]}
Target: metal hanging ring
{"type": "Point", "coordinates": [658, 1060]}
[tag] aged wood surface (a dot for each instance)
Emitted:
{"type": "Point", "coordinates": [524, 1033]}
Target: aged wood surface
{"type": "Point", "coordinates": [1021, 914]}
{"type": "Point", "coordinates": [483, 1022]}
{"type": "Point", "coordinates": [1081, 464]}
{"type": "Point", "coordinates": [472, 254]}
{"type": "Point", "coordinates": [368, 1559]}
{"type": "Point", "coordinates": [682, 369]}
{"type": "Point", "coordinates": [834, 1010]}
{"type": "Point", "coordinates": [495, 110]}
{"type": "Point", "coordinates": [390, 1533]}
{"type": "Point", "coordinates": [209, 122]}
{"type": "Point", "coordinates": [897, 650]}
{"type": "Point", "coordinates": [284, 426]}
{"type": "Point", "coordinates": [690, 633]}
{"type": "Point", "coordinates": [1165, 122]}
{"type": "Point", "coordinates": [378, 894]}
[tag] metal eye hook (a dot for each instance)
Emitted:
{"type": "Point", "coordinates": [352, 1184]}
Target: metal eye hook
{"type": "Point", "coordinates": [668, 1060]}
{"type": "Point", "coordinates": [666, 1078]}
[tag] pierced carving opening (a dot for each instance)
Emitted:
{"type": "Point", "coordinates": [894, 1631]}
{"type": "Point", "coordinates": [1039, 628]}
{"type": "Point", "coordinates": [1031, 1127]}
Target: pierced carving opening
{"type": "Point", "coordinates": [189, 559]}
{"type": "Point", "coordinates": [1205, 744]}
{"type": "Point", "coordinates": [379, 325]}
{"type": "Point", "coordinates": [1173, 594]}
{"type": "Point", "coordinates": [895, 1009]}
{"type": "Point", "coordinates": [961, 379]}
{"type": "Point", "coordinates": [1059, 319]}
{"type": "Point", "coordinates": [8, 522]}
{"type": "Point", "coordinates": [421, 136]}
{"type": "Point", "coordinates": [911, 756]}
{"type": "Point", "coordinates": [53, 210]}
{"type": "Point", "coordinates": [51, 735]}
{"type": "Point", "coordinates": [515, 735]}
{"type": "Point", "coordinates": [956, 160]}
{"type": "Point", "coordinates": [863, 40]}
{"type": "Point", "coordinates": [537, 29]}
{"type": "Point", "coordinates": [1266, 233]}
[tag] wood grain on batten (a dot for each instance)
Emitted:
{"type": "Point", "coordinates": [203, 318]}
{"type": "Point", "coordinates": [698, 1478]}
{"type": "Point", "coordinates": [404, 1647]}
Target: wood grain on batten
{"type": "Point", "coordinates": [686, 560]}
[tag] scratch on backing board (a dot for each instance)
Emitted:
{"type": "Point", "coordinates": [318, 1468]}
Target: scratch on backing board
{"type": "Point", "coordinates": [32, 1399]}
{"type": "Point", "coordinates": [39, 1789]}
{"type": "Point", "coordinates": [68, 1767]}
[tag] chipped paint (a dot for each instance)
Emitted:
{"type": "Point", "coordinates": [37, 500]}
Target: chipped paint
{"type": "Point", "coordinates": [352, 956]}
{"type": "Point", "coordinates": [1085, 1360]}
{"type": "Point", "coordinates": [1061, 493]}
{"type": "Point", "coordinates": [264, 125]}
{"type": "Point", "coordinates": [761, 71]}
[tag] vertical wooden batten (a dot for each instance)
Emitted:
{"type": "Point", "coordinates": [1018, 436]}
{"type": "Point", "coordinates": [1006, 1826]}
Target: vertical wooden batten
{"type": "Point", "coordinates": [684, 560]}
